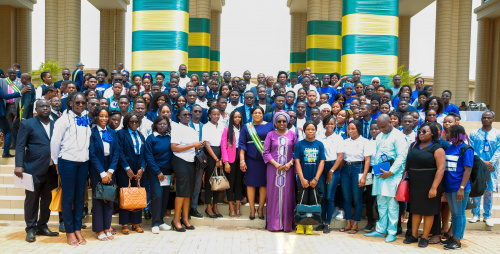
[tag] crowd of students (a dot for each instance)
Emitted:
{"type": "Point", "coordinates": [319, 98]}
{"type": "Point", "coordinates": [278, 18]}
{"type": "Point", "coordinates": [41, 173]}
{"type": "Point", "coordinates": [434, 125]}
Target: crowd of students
{"type": "Point", "coordinates": [302, 139]}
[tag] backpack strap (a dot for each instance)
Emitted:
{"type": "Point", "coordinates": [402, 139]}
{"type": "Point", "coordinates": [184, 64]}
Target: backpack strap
{"type": "Point", "coordinates": [464, 148]}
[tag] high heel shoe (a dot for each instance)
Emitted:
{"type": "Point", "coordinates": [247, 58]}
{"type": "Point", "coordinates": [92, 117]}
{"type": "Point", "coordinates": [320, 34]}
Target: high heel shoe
{"type": "Point", "coordinates": [188, 228]}
{"type": "Point", "coordinates": [178, 229]}
{"type": "Point", "coordinates": [210, 216]}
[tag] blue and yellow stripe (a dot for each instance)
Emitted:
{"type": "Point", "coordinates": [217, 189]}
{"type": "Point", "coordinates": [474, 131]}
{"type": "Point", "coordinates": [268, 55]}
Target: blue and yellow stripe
{"type": "Point", "coordinates": [324, 44]}
{"type": "Point", "coordinates": [370, 38]}
{"type": "Point", "coordinates": [160, 33]}
{"type": "Point", "coordinates": [199, 46]}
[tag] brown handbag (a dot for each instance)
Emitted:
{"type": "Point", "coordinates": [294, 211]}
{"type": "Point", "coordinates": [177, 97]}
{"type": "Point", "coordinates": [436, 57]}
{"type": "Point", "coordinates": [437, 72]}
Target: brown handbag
{"type": "Point", "coordinates": [219, 182]}
{"type": "Point", "coordinates": [133, 198]}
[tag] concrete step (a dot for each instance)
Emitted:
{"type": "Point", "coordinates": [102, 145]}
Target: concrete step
{"type": "Point", "coordinates": [7, 178]}
{"type": "Point", "coordinates": [7, 168]}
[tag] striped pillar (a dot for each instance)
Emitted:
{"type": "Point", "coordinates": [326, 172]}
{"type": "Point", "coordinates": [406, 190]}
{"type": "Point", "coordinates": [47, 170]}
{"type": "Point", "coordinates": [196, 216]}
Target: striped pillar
{"type": "Point", "coordinates": [323, 53]}
{"type": "Point", "coordinates": [404, 41]}
{"type": "Point", "coordinates": [370, 38]}
{"type": "Point", "coordinates": [215, 42]}
{"type": "Point", "coordinates": [298, 35]}
{"type": "Point", "coordinates": [159, 35]}
{"type": "Point", "coordinates": [199, 37]}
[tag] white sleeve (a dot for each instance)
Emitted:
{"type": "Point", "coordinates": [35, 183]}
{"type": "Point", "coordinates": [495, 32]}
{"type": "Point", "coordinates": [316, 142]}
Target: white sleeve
{"type": "Point", "coordinates": [60, 128]}
{"type": "Point", "coordinates": [176, 136]}
{"type": "Point", "coordinates": [368, 148]}
{"type": "Point", "coordinates": [38, 93]}
{"type": "Point", "coordinates": [204, 133]}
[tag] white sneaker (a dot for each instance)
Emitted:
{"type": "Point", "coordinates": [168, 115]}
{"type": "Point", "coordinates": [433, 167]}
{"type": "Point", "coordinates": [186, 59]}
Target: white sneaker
{"type": "Point", "coordinates": [340, 215]}
{"type": "Point", "coordinates": [155, 230]}
{"type": "Point", "coordinates": [335, 212]}
{"type": "Point", "coordinates": [165, 227]}
{"type": "Point", "coordinates": [474, 219]}
{"type": "Point", "coordinates": [489, 222]}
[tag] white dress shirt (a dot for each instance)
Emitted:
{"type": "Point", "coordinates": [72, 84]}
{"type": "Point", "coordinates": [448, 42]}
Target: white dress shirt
{"type": "Point", "coordinates": [184, 135]}
{"type": "Point", "coordinates": [69, 141]}
{"type": "Point", "coordinates": [332, 145]}
{"type": "Point", "coordinates": [203, 104]}
{"type": "Point", "coordinates": [184, 81]}
{"type": "Point", "coordinates": [106, 148]}
{"type": "Point", "coordinates": [356, 150]}
{"type": "Point", "coordinates": [212, 133]}
{"type": "Point", "coordinates": [146, 127]}
{"type": "Point", "coordinates": [230, 107]}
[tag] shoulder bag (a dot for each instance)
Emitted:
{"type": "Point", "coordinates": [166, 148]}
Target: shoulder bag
{"type": "Point", "coordinates": [219, 182]}
{"type": "Point", "coordinates": [403, 192]}
{"type": "Point", "coordinates": [133, 198]}
{"type": "Point", "coordinates": [105, 192]}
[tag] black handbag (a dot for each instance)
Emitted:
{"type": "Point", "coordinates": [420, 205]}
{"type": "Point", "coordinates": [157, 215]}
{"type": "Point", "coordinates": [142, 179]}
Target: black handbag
{"type": "Point", "coordinates": [308, 214]}
{"type": "Point", "coordinates": [201, 160]}
{"type": "Point", "coordinates": [471, 204]}
{"type": "Point", "coordinates": [105, 192]}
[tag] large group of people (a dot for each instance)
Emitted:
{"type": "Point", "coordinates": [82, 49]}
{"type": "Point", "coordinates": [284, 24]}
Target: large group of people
{"type": "Point", "coordinates": [331, 141]}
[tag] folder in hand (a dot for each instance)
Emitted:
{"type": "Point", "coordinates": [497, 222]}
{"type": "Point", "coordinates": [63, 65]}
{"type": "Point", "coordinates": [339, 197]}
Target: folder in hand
{"type": "Point", "coordinates": [377, 168]}
{"type": "Point", "coordinates": [26, 182]}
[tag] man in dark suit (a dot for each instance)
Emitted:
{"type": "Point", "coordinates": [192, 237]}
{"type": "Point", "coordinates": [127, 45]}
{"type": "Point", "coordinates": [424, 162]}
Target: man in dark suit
{"type": "Point", "coordinates": [33, 157]}
{"type": "Point", "coordinates": [55, 112]}
{"type": "Point", "coordinates": [262, 102]}
{"type": "Point", "coordinates": [66, 75]}
{"type": "Point", "coordinates": [4, 123]}
{"type": "Point", "coordinates": [77, 76]}
{"type": "Point", "coordinates": [247, 108]}
{"type": "Point", "coordinates": [26, 103]}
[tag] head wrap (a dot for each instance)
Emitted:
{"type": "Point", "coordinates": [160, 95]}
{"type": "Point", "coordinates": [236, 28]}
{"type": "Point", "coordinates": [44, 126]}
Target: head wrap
{"type": "Point", "coordinates": [279, 114]}
{"type": "Point", "coordinates": [323, 106]}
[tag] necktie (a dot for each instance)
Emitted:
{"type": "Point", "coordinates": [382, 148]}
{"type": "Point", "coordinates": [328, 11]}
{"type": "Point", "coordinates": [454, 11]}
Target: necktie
{"type": "Point", "coordinates": [241, 98]}
{"type": "Point", "coordinates": [366, 130]}
{"type": "Point", "coordinates": [106, 137]}
{"type": "Point", "coordinates": [137, 150]}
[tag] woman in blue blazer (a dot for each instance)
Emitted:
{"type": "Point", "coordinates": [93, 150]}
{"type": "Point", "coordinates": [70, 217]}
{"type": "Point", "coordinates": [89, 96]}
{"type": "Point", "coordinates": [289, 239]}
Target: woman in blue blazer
{"type": "Point", "coordinates": [131, 166]}
{"type": "Point", "coordinates": [104, 155]}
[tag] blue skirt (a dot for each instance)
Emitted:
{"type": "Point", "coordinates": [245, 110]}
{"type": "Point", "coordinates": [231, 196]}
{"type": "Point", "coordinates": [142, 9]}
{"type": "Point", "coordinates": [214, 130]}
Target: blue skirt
{"type": "Point", "coordinates": [256, 172]}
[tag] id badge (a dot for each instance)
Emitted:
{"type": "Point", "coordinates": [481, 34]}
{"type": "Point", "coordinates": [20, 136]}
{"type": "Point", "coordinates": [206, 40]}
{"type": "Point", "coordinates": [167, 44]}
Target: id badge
{"type": "Point", "coordinates": [384, 157]}
{"type": "Point", "coordinates": [486, 147]}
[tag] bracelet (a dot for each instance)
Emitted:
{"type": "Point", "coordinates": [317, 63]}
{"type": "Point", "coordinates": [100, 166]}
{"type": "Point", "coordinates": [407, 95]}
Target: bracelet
{"type": "Point", "coordinates": [316, 179]}
{"type": "Point", "coordinates": [242, 161]}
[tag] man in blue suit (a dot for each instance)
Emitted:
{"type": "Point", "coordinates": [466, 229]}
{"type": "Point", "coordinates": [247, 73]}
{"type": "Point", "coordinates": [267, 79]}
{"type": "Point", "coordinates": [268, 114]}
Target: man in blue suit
{"type": "Point", "coordinates": [191, 101]}
{"type": "Point", "coordinates": [245, 110]}
{"type": "Point", "coordinates": [4, 123]}
{"type": "Point", "coordinates": [66, 75]}
{"type": "Point", "coordinates": [33, 157]}
{"type": "Point", "coordinates": [77, 76]}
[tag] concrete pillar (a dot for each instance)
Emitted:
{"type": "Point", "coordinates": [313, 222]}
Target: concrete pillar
{"type": "Point", "coordinates": [451, 62]}
{"type": "Point", "coordinates": [404, 42]}
{"type": "Point", "coordinates": [23, 37]}
{"type": "Point", "coordinates": [199, 37]}
{"type": "Point", "coordinates": [324, 30]}
{"type": "Point", "coordinates": [298, 35]}
{"type": "Point", "coordinates": [8, 41]}
{"type": "Point", "coordinates": [215, 41]}
{"type": "Point", "coordinates": [62, 32]}
{"type": "Point", "coordinates": [112, 39]}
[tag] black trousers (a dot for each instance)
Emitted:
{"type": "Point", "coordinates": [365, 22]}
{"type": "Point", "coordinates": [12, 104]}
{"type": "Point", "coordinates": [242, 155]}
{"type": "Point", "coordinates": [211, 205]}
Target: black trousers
{"type": "Point", "coordinates": [38, 200]}
{"type": "Point", "coordinates": [370, 203]}
{"type": "Point", "coordinates": [159, 197]}
{"type": "Point", "coordinates": [235, 178]}
{"type": "Point", "coordinates": [306, 196]}
{"type": "Point", "coordinates": [211, 197]}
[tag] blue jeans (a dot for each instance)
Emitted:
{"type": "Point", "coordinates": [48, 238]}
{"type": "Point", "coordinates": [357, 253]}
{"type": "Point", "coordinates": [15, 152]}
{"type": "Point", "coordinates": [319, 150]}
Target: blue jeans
{"type": "Point", "coordinates": [328, 191]}
{"type": "Point", "coordinates": [457, 209]}
{"type": "Point", "coordinates": [487, 204]}
{"type": "Point", "coordinates": [349, 181]}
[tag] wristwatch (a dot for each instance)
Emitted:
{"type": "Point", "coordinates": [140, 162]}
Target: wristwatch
{"type": "Point", "coordinates": [462, 187]}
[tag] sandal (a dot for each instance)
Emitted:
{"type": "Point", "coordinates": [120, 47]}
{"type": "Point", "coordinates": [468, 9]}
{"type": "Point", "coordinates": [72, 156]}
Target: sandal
{"type": "Point", "coordinates": [435, 239]}
{"type": "Point", "coordinates": [138, 228]}
{"type": "Point", "coordinates": [344, 229]}
{"type": "Point", "coordinates": [112, 230]}
{"type": "Point", "coordinates": [125, 230]}
{"type": "Point", "coordinates": [102, 237]}
{"type": "Point", "coordinates": [110, 235]}
{"type": "Point", "coordinates": [71, 241]}
{"type": "Point", "coordinates": [353, 231]}
{"type": "Point", "coordinates": [81, 239]}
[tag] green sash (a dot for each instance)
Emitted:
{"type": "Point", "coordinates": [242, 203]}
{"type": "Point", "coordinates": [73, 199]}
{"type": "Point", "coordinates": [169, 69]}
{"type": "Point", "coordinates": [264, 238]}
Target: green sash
{"type": "Point", "coordinates": [76, 74]}
{"type": "Point", "coordinates": [255, 138]}
{"type": "Point", "coordinates": [14, 87]}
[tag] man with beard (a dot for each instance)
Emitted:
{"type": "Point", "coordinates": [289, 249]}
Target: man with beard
{"type": "Point", "coordinates": [55, 111]}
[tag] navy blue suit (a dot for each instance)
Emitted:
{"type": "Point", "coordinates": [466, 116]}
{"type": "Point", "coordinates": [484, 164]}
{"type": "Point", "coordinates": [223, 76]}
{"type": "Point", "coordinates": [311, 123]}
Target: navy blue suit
{"type": "Point", "coordinates": [128, 158]}
{"type": "Point", "coordinates": [77, 77]}
{"type": "Point", "coordinates": [102, 212]}
{"type": "Point", "coordinates": [4, 124]}
{"type": "Point", "coordinates": [243, 114]}
{"type": "Point", "coordinates": [33, 154]}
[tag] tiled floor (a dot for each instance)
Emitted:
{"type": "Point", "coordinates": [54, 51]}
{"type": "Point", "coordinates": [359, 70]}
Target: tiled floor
{"type": "Point", "coordinates": [232, 240]}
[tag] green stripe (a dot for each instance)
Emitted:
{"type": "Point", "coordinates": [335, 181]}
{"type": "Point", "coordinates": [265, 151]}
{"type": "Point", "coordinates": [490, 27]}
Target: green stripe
{"type": "Point", "coordinates": [199, 52]}
{"type": "Point", "coordinates": [293, 74]}
{"type": "Point", "coordinates": [375, 7]}
{"type": "Point", "coordinates": [199, 25]}
{"type": "Point", "coordinates": [159, 40]}
{"type": "Point", "coordinates": [324, 55]}
{"type": "Point", "coordinates": [325, 27]}
{"type": "Point", "coordinates": [215, 55]}
{"type": "Point", "coordinates": [370, 44]}
{"type": "Point", "coordinates": [298, 57]}
{"type": "Point", "coordinates": [157, 5]}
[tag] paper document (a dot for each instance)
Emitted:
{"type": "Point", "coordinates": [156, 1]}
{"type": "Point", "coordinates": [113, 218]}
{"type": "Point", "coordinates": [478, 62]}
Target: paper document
{"type": "Point", "coordinates": [25, 183]}
{"type": "Point", "coordinates": [166, 181]}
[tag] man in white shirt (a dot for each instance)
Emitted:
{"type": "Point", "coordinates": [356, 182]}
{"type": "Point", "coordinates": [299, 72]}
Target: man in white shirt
{"type": "Point", "coordinates": [140, 110]}
{"type": "Point", "coordinates": [407, 123]}
{"type": "Point", "coordinates": [246, 77]}
{"type": "Point", "coordinates": [183, 78]}
{"type": "Point", "coordinates": [108, 93]}
{"type": "Point", "coordinates": [234, 101]}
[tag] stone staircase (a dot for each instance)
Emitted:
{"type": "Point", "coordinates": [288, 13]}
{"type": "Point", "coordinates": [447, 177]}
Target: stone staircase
{"type": "Point", "coordinates": [12, 204]}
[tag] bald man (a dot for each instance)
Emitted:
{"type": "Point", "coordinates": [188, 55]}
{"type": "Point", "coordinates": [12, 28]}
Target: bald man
{"type": "Point", "coordinates": [391, 147]}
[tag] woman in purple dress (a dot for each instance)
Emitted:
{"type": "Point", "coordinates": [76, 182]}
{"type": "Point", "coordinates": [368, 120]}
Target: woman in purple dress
{"type": "Point", "coordinates": [251, 161]}
{"type": "Point", "coordinates": [278, 155]}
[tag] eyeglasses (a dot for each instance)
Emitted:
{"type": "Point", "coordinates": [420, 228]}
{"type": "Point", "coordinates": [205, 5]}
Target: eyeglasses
{"type": "Point", "coordinates": [405, 97]}
{"type": "Point", "coordinates": [419, 82]}
{"type": "Point", "coordinates": [79, 103]}
{"type": "Point", "coordinates": [227, 75]}
{"type": "Point", "coordinates": [375, 82]}
{"type": "Point", "coordinates": [290, 97]}
{"type": "Point", "coordinates": [196, 111]}
{"type": "Point", "coordinates": [422, 132]}
{"type": "Point", "coordinates": [370, 89]}
{"type": "Point", "coordinates": [186, 115]}
{"type": "Point", "coordinates": [134, 122]}
{"type": "Point", "coordinates": [293, 117]}
{"type": "Point", "coordinates": [95, 104]}
{"type": "Point", "coordinates": [281, 121]}
{"type": "Point", "coordinates": [431, 115]}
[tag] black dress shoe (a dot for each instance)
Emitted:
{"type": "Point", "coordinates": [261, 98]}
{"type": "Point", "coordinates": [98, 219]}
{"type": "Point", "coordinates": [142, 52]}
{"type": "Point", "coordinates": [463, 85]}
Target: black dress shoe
{"type": "Point", "coordinates": [188, 228]}
{"type": "Point", "coordinates": [8, 155]}
{"type": "Point", "coordinates": [181, 229]}
{"type": "Point", "coordinates": [61, 227]}
{"type": "Point", "coordinates": [84, 226]}
{"type": "Point", "coordinates": [46, 232]}
{"type": "Point", "coordinates": [210, 216]}
{"type": "Point", "coordinates": [262, 217]}
{"type": "Point", "coordinates": [147, 214]}
{"type": "Point", "coordinates": [193, 212]}
{"type": "Point", "coordinates": [30, 237]}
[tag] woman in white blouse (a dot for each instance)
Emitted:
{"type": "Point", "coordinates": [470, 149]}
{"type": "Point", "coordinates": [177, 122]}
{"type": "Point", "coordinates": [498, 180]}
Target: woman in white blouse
{"type": "Point", "coordinates": [70, 152]}
{"type": "Point", "coordinates": [357, 152]}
